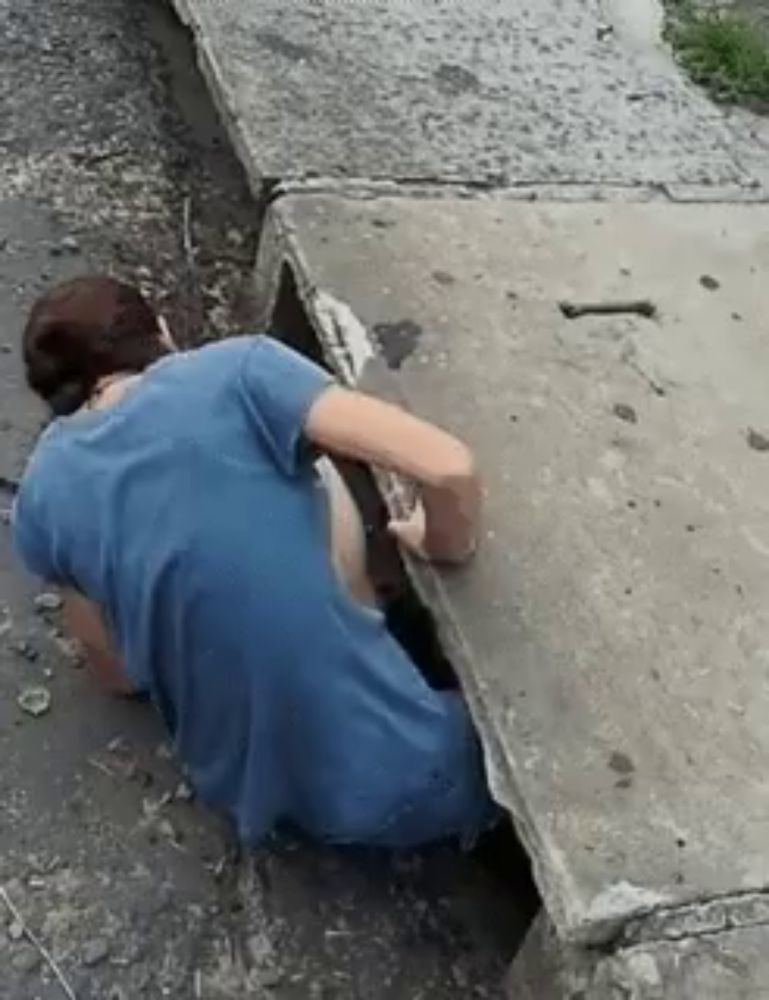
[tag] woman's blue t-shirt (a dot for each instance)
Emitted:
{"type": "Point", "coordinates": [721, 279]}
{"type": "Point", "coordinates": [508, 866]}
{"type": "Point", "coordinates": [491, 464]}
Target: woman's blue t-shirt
{"type": "Point", "coordinates": [191, 513]}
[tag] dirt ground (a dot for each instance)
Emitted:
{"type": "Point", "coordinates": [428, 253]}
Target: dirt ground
{"type": "Point", "coordinates": [111, 157]}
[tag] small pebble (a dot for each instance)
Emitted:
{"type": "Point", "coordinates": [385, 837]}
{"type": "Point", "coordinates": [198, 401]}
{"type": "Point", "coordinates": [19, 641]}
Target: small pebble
{"type": "Point", "coordinates": [183, 792]}
{"type": "Point", "coordinates": [709, 282]}
{"type": "Point", "coordinates": [70, 244]}
{"type": "Point", "coordinates": [15, 930]}
{"type": "Point", "coordinates": [5, 515]}
{"type": "Point", "coordinates": [35, 701]}
{"type": "Point", "coordinates": [26, 651]}
{"type": "Point", "coordinates": [47, 601]}
{"type": "Point", "coordinates": [70, 649]}
{"type": "Point", "coordinates": [95, 952]}
{"type": "Point", "coordinates": [166, 827]}
{"type": "Point", "coordinates": [268, 979]}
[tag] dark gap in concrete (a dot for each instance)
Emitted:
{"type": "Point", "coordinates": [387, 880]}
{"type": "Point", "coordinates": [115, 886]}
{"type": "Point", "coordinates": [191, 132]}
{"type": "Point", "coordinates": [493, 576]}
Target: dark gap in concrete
{"type": "Point", "coordinates": [224, 214]}
{"type": "Point", "coordinates": [408, 619]}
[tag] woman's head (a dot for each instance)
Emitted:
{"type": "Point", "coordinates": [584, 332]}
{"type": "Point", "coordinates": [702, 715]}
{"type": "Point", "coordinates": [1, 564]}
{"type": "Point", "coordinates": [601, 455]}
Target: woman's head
{"type": "Point", "coordinates": [85, 329]}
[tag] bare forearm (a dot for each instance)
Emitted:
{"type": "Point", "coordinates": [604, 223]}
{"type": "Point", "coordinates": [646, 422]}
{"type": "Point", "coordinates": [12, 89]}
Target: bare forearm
{"type": "Point", "coordinates": [85, 624]}
{"type": "Point", "coordinates": [452, 514]}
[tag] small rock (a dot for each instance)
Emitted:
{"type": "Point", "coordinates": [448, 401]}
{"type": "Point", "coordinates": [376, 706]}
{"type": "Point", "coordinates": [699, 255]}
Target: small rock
{"type": "Point", "coordinates": [70, 649]}
{"type": "Point", "coordinates": [70, 245]}
{"type": "Point", "coordinates": [95, 952]}
{"type": "Point", "coordinates": [25, 650]}
{"type": "Point", "coordinates": [709, 282]}
{"type": "Point", "coordinates": [267, 979]}
{"type": "Point", "coordinates": [183, 792]}
{"type": "Point", "coordinates": [166, 827]}
{"type": "Point", "coordinates": [5, 348]}
{"type": "Point", "coordinates": [5, 515]}
{"type": "Point", "coordinates": [460, 977]}
{"type": "Point", "coordinates": [625, 412]}
{"type": "Point", "coordinates": [26, 961]}
{"type": "Point", "coordinates": [35, 701]}
{"type": "Point", "coordinates": [6, 624]}
{"type": "Point", "coordinates": [47, 601]}
{"type": "Point", "coordinates": [15, 930]}
{"type": "Point", "coordinates": [758, 441]}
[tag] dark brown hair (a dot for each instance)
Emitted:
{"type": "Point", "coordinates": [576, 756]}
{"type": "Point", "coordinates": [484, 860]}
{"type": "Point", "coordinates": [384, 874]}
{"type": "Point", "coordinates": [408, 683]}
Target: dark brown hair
{"type": "Point", "coordinates": [85, 329]}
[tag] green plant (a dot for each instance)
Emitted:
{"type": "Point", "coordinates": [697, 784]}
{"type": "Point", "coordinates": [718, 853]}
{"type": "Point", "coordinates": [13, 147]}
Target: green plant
{"type": "Point", "coordinates": [722, 51]}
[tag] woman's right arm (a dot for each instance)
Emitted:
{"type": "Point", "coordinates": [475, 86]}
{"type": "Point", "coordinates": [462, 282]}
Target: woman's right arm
{"type": "Point", "coordinates": [444, 527]}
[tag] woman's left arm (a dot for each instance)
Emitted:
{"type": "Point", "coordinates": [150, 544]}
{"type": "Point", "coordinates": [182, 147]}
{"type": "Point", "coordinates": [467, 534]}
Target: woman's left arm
{"type": "Point", "coordinates": [85, 623]}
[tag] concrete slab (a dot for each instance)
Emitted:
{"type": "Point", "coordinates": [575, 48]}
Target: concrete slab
{"type": "Point", "coordinates": [697, 966]}
{"type": "Point", "coordinates": [613, 635]}
{"type": "Point", "coordinates": [500, 94]}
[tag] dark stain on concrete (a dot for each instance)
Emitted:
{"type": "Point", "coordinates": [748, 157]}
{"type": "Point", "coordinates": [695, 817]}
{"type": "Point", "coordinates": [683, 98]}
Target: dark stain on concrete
{"type": "Point", "coordinates": [281, 46]}
{"type": "Point", "coordinates": [621, 763]}
{"type": "Point", "coordinates": [454, 80]}
{"type": "Point", "coordinates": [397, 340]}
{"type": "Point", "coordinates": [625, 412]}
{"type": "Point", "coordinates": [757, 441]}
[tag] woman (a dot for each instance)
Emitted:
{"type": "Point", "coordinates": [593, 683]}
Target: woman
{"type": "Point", "coordinates": [177, 501]}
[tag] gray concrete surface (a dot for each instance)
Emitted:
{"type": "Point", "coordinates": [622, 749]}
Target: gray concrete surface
{"type": "Point", "coordinates": [613, 631]}
{"type": "Point", "coordinates": [495, 94]}
{"type": "Point", "coordinates": [106, 133]}
{"type": "Point", "coordinates": [698, 962]}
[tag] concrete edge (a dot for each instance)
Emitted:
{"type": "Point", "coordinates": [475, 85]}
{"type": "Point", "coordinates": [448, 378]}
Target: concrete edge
{"type": "Point", "coordinates": [214, 78]}
{"type": "Point", "coordinates": [565, 189]}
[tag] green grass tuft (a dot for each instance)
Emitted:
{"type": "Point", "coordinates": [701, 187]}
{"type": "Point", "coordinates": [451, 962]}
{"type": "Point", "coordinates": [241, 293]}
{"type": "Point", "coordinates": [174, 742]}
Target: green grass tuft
{"type": "Point", "coordinates": [722, 51]}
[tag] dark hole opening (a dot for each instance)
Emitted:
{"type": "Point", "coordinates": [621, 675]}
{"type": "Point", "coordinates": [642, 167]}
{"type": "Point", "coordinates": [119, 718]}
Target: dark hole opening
{"type": "Point", "coordinates": [408, 619]}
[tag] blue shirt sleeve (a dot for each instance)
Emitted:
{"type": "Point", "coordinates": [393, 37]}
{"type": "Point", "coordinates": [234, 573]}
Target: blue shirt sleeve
{"type": "Point", "coordinates": [279, 387]}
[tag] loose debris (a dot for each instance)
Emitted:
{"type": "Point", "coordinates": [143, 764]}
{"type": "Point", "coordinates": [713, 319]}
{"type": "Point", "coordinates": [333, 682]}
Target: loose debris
{"type": "Point", "coordinates": [35, 941]}
{"type": "Point", "coordinates": [625, 412]}
{"type": "Point", "coordinates": [25, 650]}
{"type": "Point", "coordinates": [758, 441]}
{"type": "Point", "coordinates": [638, 307]}
{"type": "Point", "coordinates": [95, 952]}
{"type": "Point", "coordinates": [47, 602]}
{"type": "Point", "coordinates": [35, 701]}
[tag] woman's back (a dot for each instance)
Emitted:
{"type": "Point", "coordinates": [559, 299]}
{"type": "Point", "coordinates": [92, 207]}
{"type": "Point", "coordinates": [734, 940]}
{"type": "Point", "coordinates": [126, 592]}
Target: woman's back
{"type": "Point", "coordinates": [192, 513]}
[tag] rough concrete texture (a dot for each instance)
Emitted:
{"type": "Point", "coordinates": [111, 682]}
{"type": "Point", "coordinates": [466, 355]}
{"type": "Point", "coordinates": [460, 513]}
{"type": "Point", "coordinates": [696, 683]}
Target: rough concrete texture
{"type": "Point", "coordinates": [106, 135]}
{"type": "Point", "coordinates": [612, 634]}
{"type": "Point", "coordinates": [730, 965]}
{"type": "Point", "coordinates": [498, 93]}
